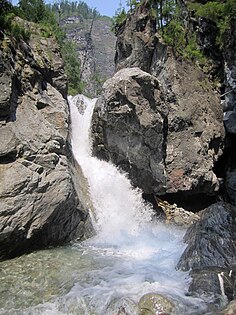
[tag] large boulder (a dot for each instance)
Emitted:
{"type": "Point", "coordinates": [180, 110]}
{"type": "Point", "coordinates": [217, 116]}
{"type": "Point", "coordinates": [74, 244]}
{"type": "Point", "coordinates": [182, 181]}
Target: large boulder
{"type": "Point", "coordinates": [128, 127]}
{"type": "Point", "coordinates": [167, 141]}
{"type": "Point", "coordinates": [175, 148]}
{"type": "Point", "coordinates": [39, 203]}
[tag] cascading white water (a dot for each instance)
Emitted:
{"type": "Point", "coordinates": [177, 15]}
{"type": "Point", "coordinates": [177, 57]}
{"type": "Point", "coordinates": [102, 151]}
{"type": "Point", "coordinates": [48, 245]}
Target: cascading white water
{"type": "Point", "coordinates": [124, 222]}
{"type": "Point", "coordinates": [119, 207]}
{"type": "Point", "coordinates": [130, 255]}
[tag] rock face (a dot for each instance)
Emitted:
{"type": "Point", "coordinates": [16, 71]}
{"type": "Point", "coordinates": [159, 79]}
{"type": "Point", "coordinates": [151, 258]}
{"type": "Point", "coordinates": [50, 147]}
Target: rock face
{"type": "Point", "coordinates": [95, 43]}
{"type": "Point", "coordinates": [229, 106]}
{"type": "Point", "coordinates": [136, 40]}
{"type": "Point", "coordinates": [163, 137]}
{"type": "Point", "coordinates": [39, 204]}
{"type": "Point", "coordinates": [128, 127]}
{"type": "Point", "coordinates": [210, 254]}
{"type": "Point", "coordinates": [166, 129]}
{"type": "Point", "coordinates": [195, 129]}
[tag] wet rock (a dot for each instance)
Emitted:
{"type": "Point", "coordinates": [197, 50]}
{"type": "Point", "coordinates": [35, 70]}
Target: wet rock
{"type": "Point", "coordinates": [210, 254]}
{"type": "Point", "coordinates": [230, 121]}
{"type": "Point", "coordinates": [228, 310]}
{"type": "Point", "coordinates": [155, 304]}
{"type": "Point", "coordinates": [230, 185]}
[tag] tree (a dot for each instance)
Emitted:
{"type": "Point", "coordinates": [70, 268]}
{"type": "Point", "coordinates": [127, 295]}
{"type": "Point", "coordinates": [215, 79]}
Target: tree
{"type": "Point", "coordinates": [33, 10]}
{"type": "Point", "coordinates": [5, 7]}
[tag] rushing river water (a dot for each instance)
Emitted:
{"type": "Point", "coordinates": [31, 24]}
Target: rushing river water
{"type": "Point", "coordinates": [130, 255]}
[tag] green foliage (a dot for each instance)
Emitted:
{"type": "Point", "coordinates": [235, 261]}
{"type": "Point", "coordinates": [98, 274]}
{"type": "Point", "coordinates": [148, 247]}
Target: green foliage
{"type": "Point", "coordinates": [32, 10]}
{"type": "Point", "coordinates": [72, 67]}
{"type": "Point", "coordinates": [5, 7]}
{"type": "Point", "coordinates": [118, 20]}
{"type": "Point", "coordinates": [177, 36]}
{"type": "Point", "coordinates": [9, 24]}
{"type": "Point", "coordinates": [192, 51]}
{"type": "Point", "coordinates": [211, 10]}
{"type": "Point", "coordinates": [65, 8]}
{"type": "Point", "coordinates": [220, 12]}
{"type": "Point", "coordinates": [132, 4]}
{"type": "Point", "coordinates": [173, 35]}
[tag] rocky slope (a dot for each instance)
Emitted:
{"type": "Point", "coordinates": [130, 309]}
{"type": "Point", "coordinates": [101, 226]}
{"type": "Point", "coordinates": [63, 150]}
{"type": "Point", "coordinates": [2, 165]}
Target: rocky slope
{"type": "Point", "coordinates": [95, 43]}
{"type": "Point", "coordinates": [39, 203]}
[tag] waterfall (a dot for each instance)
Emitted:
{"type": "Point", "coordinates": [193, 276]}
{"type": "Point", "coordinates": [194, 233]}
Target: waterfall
{"type": "Point", "coordinates": [120, 209]}
{"type": "Point", "coordinates": [130, 255]}
{"type": "Point", "coordinates": [146, 251]}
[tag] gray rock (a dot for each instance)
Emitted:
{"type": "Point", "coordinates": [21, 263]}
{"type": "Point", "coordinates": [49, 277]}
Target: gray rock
{"type": "Point", "coordinates": [195, 135]}
{"type": "Point", "coordinates": [230, 185]}
{"type": "Point", "coordinates": [128, 125]}
{"type": "Point", "coordinates": [210, 254]}
{"type": "Point", "coordinates": [230, 121]}
{"type": "Point", "coordinates": [230, 65]}
{"type": "Point", "coordinates": [171, 142]}
{"type": "Point", "coordinates": [96, 50]}
{"type": "Point", "coordinates": [136, 40]}
{"type": "Point", "coordinates": [39, 201]}
{"type": "Point", "coordinates": [165, 146]}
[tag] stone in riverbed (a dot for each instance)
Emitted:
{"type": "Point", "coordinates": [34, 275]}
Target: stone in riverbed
{"type": "Point", "coordinates": [210, 254]}
{"type": "Point", "coordinates": [155, 304]}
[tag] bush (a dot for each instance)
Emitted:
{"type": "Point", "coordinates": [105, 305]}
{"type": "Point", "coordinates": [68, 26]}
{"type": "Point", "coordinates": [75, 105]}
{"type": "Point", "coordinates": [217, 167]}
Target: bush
{"type": "Point", "coordinates": [173, 35]}
{"type": "Point", "coordinates": [12, 27]}
{"type": "Point", "coordinates": [118, 20]}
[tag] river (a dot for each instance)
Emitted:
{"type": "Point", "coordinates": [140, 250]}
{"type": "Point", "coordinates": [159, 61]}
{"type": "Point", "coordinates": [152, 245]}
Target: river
{"type": "Point", "coordinates": [131, 254]}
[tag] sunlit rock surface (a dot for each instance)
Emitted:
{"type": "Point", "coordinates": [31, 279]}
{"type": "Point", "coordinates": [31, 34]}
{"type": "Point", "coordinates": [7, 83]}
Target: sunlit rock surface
{"type": "Point", "coordinates": [39, 205]}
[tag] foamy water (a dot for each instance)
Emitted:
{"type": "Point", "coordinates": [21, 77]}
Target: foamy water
{"type": "Point", "coordinates": [130, 255]}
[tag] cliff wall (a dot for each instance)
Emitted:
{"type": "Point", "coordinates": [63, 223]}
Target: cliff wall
{"type": "Point", "coordinates": [178, 151]}
{"type": "Point", "coordinates": [95, 44]}
{"type": "Point", "coordinates": [39, 203]}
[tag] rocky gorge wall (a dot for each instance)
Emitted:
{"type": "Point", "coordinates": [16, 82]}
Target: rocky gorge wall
{"type": "Point", "coordinates": [95, 43]}
{"type": "Point", "coordinates": [174, 153]}
{"type": "Point", "coordinates": [39, 202]}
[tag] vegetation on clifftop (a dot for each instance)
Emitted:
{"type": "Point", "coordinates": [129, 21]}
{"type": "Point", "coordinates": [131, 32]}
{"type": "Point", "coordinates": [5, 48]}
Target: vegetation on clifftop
{"type": "Point", "coordinates": [172, 24]}
{"type": "Point", "coordinates": [48, 18]}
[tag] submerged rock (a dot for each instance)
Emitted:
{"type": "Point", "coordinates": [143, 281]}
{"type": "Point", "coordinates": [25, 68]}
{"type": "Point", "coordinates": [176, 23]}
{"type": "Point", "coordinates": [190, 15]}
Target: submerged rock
{"type": "Point", "coordinates": [155, 304]}
{"type": "Point", "coordinates": [228, 310]}
{"type": "Point", "coordinates": [210, 254]}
